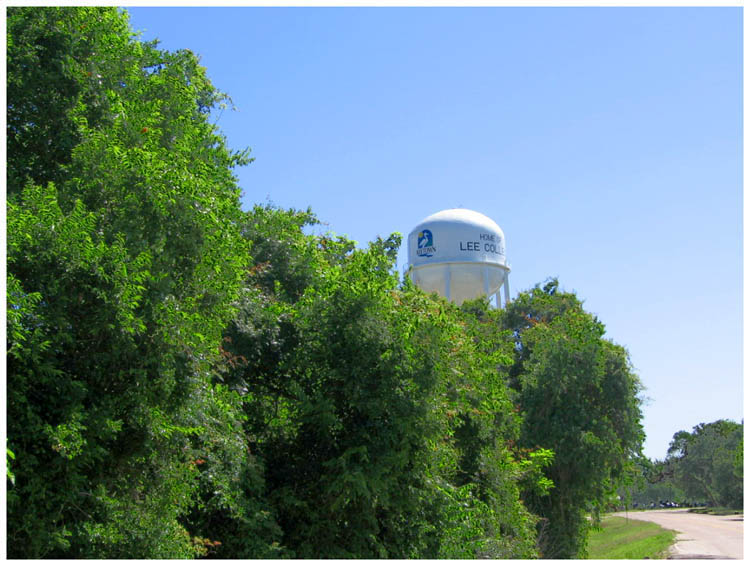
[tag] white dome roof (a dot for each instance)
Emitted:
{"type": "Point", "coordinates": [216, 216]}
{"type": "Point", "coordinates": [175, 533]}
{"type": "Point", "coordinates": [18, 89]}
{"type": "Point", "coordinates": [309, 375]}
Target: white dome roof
{"type": "Point", "coordinates": [463, 216]}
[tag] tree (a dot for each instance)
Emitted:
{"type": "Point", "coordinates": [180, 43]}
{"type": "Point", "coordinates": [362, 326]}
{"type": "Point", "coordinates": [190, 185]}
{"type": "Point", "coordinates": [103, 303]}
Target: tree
{"type": "Point", "coordinates": [579, 397]}
{"type": "Point", "coordinates": [704, 462]}
{"type": "Point", "coordinates": [124, 263]}
{"type": "Point", "coordinates": [381, 425]}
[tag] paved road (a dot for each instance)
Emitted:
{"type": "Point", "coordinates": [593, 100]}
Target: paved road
{"type": "Point", "coordinates": [700, 536]}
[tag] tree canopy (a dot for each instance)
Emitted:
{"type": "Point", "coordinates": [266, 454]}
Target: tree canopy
{"type": "Point", "coordinates": [705, 463]}
{"type": "Point", "coordinates": [701, 468]}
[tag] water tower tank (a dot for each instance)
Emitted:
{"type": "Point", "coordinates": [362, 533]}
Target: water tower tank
{"type": "Point", "coordinates": [459, 254]}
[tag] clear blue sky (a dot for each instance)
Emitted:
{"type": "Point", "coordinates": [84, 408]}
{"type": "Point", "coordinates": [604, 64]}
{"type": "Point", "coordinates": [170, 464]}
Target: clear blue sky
{"type": "Point", "coordinates": [606, 142]}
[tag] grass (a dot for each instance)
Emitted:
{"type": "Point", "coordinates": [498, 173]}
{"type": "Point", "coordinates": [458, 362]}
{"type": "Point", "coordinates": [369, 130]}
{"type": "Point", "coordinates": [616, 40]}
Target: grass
{"type": "Point", "coordinates": [629, 539]}
{"type": "Point", "coordinates": [717, 511]}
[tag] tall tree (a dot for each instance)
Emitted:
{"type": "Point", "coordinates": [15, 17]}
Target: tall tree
{"type": "Point", "coordinates": [124, 261]}
{"type": "Point", "coordinates": [579, 397]}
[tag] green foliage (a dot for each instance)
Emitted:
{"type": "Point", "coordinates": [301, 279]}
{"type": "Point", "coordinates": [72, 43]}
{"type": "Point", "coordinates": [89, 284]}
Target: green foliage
{"type": "Point", "coordinates": [124, 263]}
{"type": "Point", "coordinates": [578, 397]}
{"type": "Point", "coordinates": [704, 463]}
{"type": "Point", "coordinates": [9, 455]}
{"type": "Point", "coordinates": [378, 413]}
{"type": "Point", "coordinates": [703, 466]}
{"type": "Point", "coordinates": [739, 459]}
{"type": "Point", "coordinates": [42, 89]}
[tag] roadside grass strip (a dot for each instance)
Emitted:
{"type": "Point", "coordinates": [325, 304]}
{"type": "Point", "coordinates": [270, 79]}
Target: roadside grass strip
{"type": "Point", "coordinates": [621, 538]}
{"type": "Point", "coordinates": [717, 511]}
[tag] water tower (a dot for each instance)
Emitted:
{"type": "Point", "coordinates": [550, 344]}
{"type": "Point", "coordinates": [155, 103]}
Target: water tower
{"type": "Point", "coordinates": [459, 254]}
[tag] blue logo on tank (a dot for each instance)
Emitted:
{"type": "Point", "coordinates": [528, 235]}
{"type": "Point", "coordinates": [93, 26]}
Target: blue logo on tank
{"type": "Point", "coordinates": [425, 247]}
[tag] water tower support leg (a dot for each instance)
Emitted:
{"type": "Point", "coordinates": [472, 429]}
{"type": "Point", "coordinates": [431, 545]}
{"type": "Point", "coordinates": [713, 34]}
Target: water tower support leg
{"type": "Point", "coordinates": [448, 282]}
{"type": "Point", "coordinates": [506, 288]}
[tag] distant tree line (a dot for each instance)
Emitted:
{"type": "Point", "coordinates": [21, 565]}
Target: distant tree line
{"type": "Point", "coordinates": [701, 468]}
{"type": "Point", "coordinates": [187, 379]}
